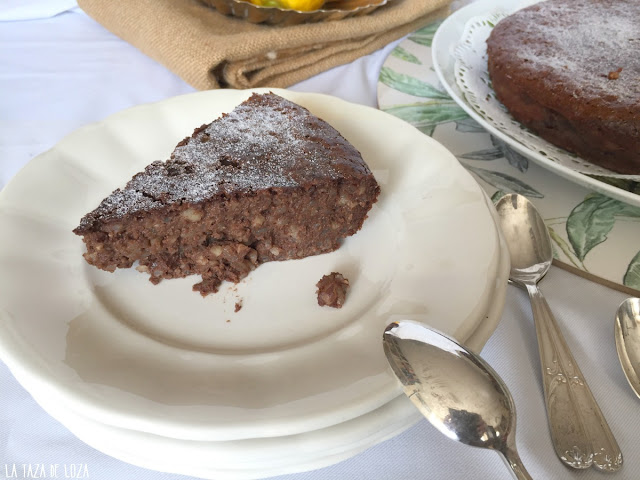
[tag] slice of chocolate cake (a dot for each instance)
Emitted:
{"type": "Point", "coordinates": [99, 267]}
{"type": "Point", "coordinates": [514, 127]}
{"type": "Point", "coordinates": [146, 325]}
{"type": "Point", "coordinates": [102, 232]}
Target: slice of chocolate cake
{"type": "Point", "coordinates": [268, 181]}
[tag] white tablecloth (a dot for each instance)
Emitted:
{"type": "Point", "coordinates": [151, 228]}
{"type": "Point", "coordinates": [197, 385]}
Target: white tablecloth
{"type": "Point", "coordinates": [60, 70]}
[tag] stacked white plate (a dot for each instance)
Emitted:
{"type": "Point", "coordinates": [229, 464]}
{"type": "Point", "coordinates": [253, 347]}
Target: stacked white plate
{"type": "Point", "coordinates": [160, 377]}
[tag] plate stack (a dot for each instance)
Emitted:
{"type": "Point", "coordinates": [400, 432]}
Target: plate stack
{"type": "Point", "coordinates": [256, 380]}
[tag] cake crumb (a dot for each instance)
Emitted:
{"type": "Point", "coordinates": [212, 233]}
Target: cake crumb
{"type": "Point", "coordinates": [332, 290]}
{"type": "Point", "coordinates": [238, 306]}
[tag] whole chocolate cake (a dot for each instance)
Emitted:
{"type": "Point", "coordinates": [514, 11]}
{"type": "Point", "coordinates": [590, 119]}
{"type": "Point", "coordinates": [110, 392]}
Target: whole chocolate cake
{"type": "Point", "coordinates": [569, 70]}
{"type": "Point", "coordinates": [268, 181]}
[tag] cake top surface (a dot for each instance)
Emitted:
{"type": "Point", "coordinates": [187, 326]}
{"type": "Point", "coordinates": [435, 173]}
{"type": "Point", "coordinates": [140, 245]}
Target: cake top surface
{"type": "Point", "coordinates": [265, 142]}
{"type": "Point", "coordinates": [590, 47]}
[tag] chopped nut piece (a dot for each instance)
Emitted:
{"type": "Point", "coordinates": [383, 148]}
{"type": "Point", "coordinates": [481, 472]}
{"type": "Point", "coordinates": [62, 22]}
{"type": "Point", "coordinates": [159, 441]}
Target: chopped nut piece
{"type": "Point", "coordinates": [257, 221]}
{"type": "Point", "coordinates": [332, 290]}
{"type": "Point", "coordinates": [615, 74]}
{"type": "Point", "coordinates": [192, 215]}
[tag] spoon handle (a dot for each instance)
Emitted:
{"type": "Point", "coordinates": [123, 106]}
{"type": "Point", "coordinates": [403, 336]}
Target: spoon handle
{"type": "Point", "coordinates": [512, 459]}
{"type": "Point", "coordinates": [580, 433]}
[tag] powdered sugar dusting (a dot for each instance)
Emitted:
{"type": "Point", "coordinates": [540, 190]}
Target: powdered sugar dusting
{"type": "Point", "coordinates": [473, 80]}
{"type": "Point", "coordinates": [583, 42]}
{"type": "Point", "coordinates": [266, 142]}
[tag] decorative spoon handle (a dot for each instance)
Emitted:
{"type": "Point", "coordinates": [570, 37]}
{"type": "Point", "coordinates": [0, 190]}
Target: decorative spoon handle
{"type": "Point", "coordinates": [579, 431]}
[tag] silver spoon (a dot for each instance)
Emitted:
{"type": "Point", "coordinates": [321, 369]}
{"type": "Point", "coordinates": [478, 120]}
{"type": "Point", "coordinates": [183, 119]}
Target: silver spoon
{"type": "Point", "coordinates": [580, 434]}
{"type": "Point", "coordinates": [627, 333]}
{"type": "Point", "coordinates": [455, 389]}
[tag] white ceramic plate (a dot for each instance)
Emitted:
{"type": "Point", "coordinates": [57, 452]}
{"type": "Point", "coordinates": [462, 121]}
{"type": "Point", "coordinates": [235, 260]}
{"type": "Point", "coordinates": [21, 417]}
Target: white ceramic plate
{"type": "Point", "coordinates": [446, 40]}
{"type": "Point", "coordinates": [258, 457]}
{"type": "Point", "coordinates": [161, 359]}
{"type": "Point", "coordinates": [243, 459]}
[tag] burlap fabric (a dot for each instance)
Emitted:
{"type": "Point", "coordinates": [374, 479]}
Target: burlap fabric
{"type": "Point", "coordinates": [209, 50]}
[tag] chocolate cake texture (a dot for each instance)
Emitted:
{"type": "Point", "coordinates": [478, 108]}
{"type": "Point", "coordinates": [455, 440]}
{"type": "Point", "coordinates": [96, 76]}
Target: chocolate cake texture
{"type": "Point", "coordinates": [268, 181]}
{"type": "Point", "coordinates": [569, 70]}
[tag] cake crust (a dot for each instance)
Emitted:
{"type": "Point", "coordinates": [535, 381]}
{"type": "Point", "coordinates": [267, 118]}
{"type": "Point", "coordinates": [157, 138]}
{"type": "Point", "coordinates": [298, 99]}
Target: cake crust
{"type": "Point", "coordinates": [267, 181]}
{"type": "Point", "coordinates": [570, 71]}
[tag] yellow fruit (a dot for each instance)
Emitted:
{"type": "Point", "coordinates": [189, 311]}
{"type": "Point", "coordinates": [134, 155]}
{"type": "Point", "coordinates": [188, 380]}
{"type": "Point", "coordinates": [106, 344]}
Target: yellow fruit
{"type": "Point", "coordinates": [301, 5]}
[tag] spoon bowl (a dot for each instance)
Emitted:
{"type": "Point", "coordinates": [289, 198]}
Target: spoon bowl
{"type": "Point", "coordinates": [579, 431]}
{"type": "Point", "coordinates": [527, 237]}
{"type": "Point", "coordinates": [455, 389]}
{"type": "Point", "coordinates": [627, 334]}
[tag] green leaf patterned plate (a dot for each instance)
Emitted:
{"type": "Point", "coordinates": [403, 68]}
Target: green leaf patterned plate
{"type": "Point", "coordinates": [593, 235]}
